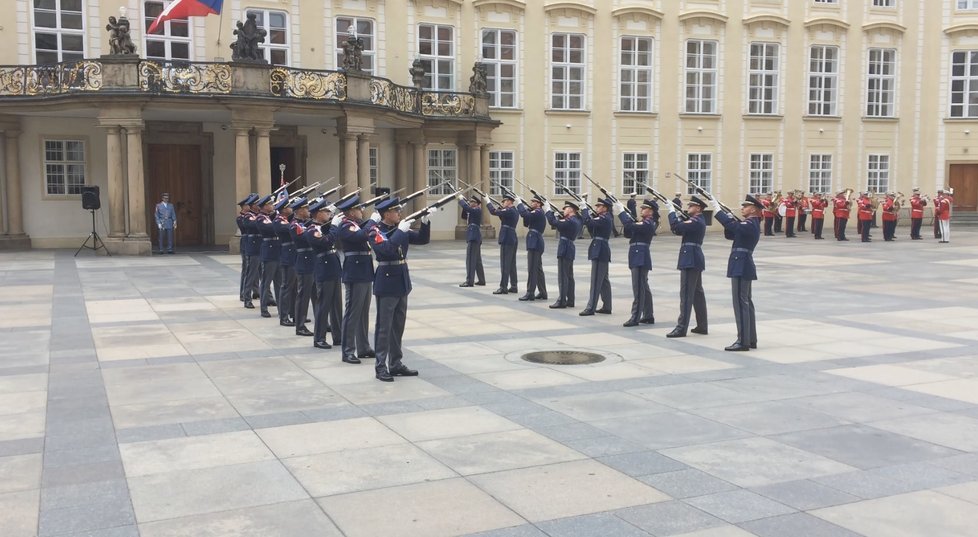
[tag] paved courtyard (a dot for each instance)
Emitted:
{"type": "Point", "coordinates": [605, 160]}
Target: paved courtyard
{"type": "Point", "coordinates": [137, 398]}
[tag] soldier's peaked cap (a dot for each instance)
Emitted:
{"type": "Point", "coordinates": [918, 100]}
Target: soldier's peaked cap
{"type": "Point", "coordinates": [266, 200]}
{"type": "Point", "coordinates": [651, 204]}
{"type": "Point", "coordinates": [299, 203]}
{"type": "Point", "coordinates": [751, 200]}
{"type": "Point", "coordinates": [572, 205]}
{"type": "Point", "coordinates": [249, 199]}
{"type": "Point", "coordinates": [693, 200]}
{"type": "Point", "coordinates": [391, 203]}
{"type": "Point", "coordinates": [348, 204]}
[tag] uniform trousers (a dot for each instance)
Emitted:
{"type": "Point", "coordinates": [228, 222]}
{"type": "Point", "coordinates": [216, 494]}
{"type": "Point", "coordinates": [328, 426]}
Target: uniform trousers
{"type": "Point", "coordinates": [253, 274]}
{"type": "Point", "coordinates": [536, 282]}
{"type": "Point", "coordinates": [329, 310]}
{"type": "Point", "coordinates": [778, 220]}
{"type": "Point", "coordinates": [244, 274]}
{"type": "Point", "coordinates": [286, 293]}
{"type": "Point", "coordinates": [889, 229]}
{"type": "Point", "coordinates": [507, 264]}
{"type": "Point", "coordinates": [473, 263]}
{"type": "Point", "coordinates": [642, 301]}
{"type": "Point", "coordinates": [802, 219]}
{"type": "Point", "coordinates": [388, 331]}
{"type": "Point", "coordinates": [600, 285]}
{"type": "Point", "coordinates": [817, 224]}
{"type": "Point", "coordinates": [768, 226]}
{"type": "Point", "coordinates": [691, 298]}
{"type": "Point", "coordinates": [565, 281]}
{"type": "Point", "coordinates": [743, 304]}
{"type": "Point", "coordinates": [168, 233]}
{"type": "Point", "coordinates": [840, 228]}
{"type": "Point", "coordinates": [864, 230]}
{"type": "Point", "coordinates": [270, 274]}
{"type": "Point", "coordinates": [789, 226]}
{"type": "Point", "coordinates": [945, 226]}
{"type": "Point", "coordinates": [915, 224]}
{"type": "Point", "coordinates": [303, 295]}
{"type": "Point", "coordinates": [356, 315]}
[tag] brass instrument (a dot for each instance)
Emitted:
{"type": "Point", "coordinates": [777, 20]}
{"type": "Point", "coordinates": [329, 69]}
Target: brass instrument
{"type": "Point", "coordinates": [848, 195]}
{"type": "Point", "coordinates": [899, 201]}
{"type": "Point", "coordinates": [776, 200]}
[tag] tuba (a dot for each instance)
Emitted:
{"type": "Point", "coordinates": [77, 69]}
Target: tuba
{"type": "Point", "coordinates": [848, 195]}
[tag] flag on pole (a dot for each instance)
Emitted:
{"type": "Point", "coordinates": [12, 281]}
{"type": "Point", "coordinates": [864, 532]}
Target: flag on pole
{"type": "Point", "coordinates": [182, 9]}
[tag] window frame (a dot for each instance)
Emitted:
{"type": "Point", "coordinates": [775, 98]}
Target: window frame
{"type": "Point", "coordinates": [699, 73]}
{"type": "Point", "coordinates": [567, 175]}
{"type": "Point", "coordinates": [968, 97]}
{"type": "Point", "coordinates": [881, 107]}
{"type": "Point", "coordinates": [500, 174]}
{"type": "Point", "coordinates": [59, 32]}
{"type": "Point", "coordinates": [820, 174]}
{"type": "Point", "coordinates": [884, 3]}
{"type": "Point", "coordinates": [495, 65]}
{"type": "Point", "coordinates": [639, 174]}
{"type": "Point", "coordinates": [373, 160]}
{"type": "Point", "coordinates": [634, 69]}
{"type": "Point", "coordinates": [340, 35]}
{"type": "Point", "coordinates": [165, 36]}
{"type": "Point", "coordinates": [817, 104]}
{"type": "Point", "coordinates": [966, 5]}
{"type": "Point", "coordinates": [443, 171]}
{"type": "Point", "coordinates": [880, 173]}
{"type": "Point", "coordinates": [64, 194]}
{"type": "Point", "coordinates": [699, 172]}
{"type": "Point", "coordinates": [568, 67]}
{"type": "Point", "coordinates": [267, 47]}
{"type": "Point", "coordinates": [432, 62]}
{"type": "Point", "coordinates": [758, 105]}
{"type": "Point", "coordinates": [760, 173]}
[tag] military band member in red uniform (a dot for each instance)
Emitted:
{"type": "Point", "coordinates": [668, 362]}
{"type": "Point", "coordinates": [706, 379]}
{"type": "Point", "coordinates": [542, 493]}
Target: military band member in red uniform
{"type": "Point", "coordinates": [804, 206]}
{"type": "Point", "coordinates": [790, 213]}
{"type": "Point", "coordinates": [865, 216]}
{"type": "Point", "coordinates": [917, 205]}
{"type": "Point", "coordinates": [840, 209]}
{"type": "Point", "coordinates": [768, 214]}
{"type": "Point", "coordinates": [942, 215]}
{"type": "Point", "coordinates": [890, 214]}
{"type": "Point", "coordinates": [818, 205]}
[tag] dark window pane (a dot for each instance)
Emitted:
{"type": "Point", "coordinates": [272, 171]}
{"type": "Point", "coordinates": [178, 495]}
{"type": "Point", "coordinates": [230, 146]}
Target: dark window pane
{"type": "Point", "coordinates": [72, 43]}
{"type": "Point", "coordinates": [180, 51]}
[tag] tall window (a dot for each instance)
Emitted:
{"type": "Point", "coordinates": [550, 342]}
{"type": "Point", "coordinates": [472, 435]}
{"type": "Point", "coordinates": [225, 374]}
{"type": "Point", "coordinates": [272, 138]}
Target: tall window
{"type": "Point", "coordinates": [699, 171]}
{"type": "Point", "coordinates": [276, 45]}
{"type": "Point", "coordinates": [964, 83]}
{"type": "Point", "coordinates": [762, 94]}
{"type": "Point", "coordinates": [881, 83]}
{"type": "Point", "coordinates": [701, 76]}
{"type": "Point", "coordinates": [59, 31]}
{"type": "Point", "coordinates": [64, 167]}
{"type": "Point", "coordinates": [967, 4]}
{"type": "Point", "coordinates": [171, 40]}
{"type": "Point", "coordinates": [635, 172]}
{"type": "Point", "coordinates": [499, 53]}
{"type": "Point", "coordinates": [820, 173]}
{"type": "Point", "coordinates": [878, 177]}
{"type": "Point", "coordinates": [826, 1]}
{"type": "Point", "coordinates": [500, 171]}
{"type": "Point", "coordinates": [567, 72]}
{"type": "Point", "coordinates": [823, 80]}
{"type": "Point", "coordinates": [441, 167]}
{"type": "Point", "coordinates": [884, 3]}
{"type": "Point", "coordinates": [567, 171]}
{"type": "Point", "coordinates": [373, 155]}
{"type": "Point", "coordinates": [365, 31]}
{"type": "Point", "coordinates": [636, 74]}
{"type": "Point", "coordinates": [761, 172]}
{"type": "Point", "coordinates": [436, 47]}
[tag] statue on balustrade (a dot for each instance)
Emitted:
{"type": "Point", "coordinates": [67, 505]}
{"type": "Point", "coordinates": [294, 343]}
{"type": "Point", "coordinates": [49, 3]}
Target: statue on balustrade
{"type": "Point", "coordinates": [120, 41]}
{"type": "Point", "coordinates": [417, 73]}
{"type": "Point", "coordinates": [353, 54]}
{"type": "Point", "coordinates": [248, 38]}
{"type": "Point", "coordinates": [478, 84]}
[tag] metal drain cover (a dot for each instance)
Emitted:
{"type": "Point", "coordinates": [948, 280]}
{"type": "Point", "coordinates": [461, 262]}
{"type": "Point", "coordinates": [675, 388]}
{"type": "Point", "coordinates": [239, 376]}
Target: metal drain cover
{"type": "Point", "coordinates": [563, 357]}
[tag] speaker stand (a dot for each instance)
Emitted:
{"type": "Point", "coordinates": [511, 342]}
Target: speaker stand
{"type": "Point", "coordinates": [97, 243]}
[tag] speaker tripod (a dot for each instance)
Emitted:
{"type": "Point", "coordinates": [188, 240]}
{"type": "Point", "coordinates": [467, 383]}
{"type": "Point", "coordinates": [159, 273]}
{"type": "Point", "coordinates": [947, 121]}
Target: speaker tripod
{"type": "Point", "coordinates": [97, 243]}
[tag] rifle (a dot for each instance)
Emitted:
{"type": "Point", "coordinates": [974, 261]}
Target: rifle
{"type": "Point", "coordinates": [607, 194]}
{"type": "Point", "coordinates": [327, 193]}
{"type": "Point", "coordinates": [553, 207]}
{"type": "Point", "coordinates": [432, 207]}
{"type": "Point", "coordinates": [705, 193]}
{"type": "Point", "coordinates": [305, 190]}
{"type": "Point", "coordinates": [572, 194]}
{"type": "Point", "coordinates": [287, 185]}
{"type": "Point", "coordinates": [375, 199]}
{"type": "Point", "coordinates": [419, 193]}
{"type": "Point", "coordinates": [485, 196]}
{"type": "Point", "coordinates": [661, 197]}
{"type": "Point", "coordinates": [347, 196]}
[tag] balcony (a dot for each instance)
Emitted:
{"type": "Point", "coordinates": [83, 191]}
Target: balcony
{"type": "Point", "coordinates": [120, 78]}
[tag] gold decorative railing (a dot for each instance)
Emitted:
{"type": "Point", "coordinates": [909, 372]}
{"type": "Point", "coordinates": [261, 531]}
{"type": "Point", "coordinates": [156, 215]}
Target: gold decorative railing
{"type": "Point", "coordinates": [184, 77]}
{"type": "Point", "coordinates": [446, 103]}
{"type": "Point", "coordinates": [307, 84]}
{"type": "Point", "coordinates": [54, 79]}
{"type": "Point", "coordinates": [385, 93]}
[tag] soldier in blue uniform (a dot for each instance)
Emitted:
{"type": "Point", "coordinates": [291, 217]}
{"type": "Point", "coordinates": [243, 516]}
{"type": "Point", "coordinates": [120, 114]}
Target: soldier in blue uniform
{"type": "Point", "coordinates": [740, 267]}
{"type": "Point", "coordinates": [640, 234]}
{"type": "Point", "coordinates": [252, 245]}
{"type": "Point", "coordinates": [287, 280]}
{"type": "Point", "coordinates": [271, 253]}
{"type": "Point", "coordinates": [300, 230]}
{"type": "Point", "coordinates": [358, 275]}
{"type": "Point", "coordinates": [392, 285]}
{"type": "Point", "coordinates": [600, 226]}
{"type": "Point", "coordinates": [568, 229]}
{"type": "Point", "coordinates": [632, 206]}
{"type": "Point", "coordinates": [691, 266]}
{"type": "Point", "coordinates": [472, 212]}
{"type": "Point", "coordinates": [328, 303]}
{"type": "Point", "coordinates": [166, 222]}
{"type": "Point", "coordinates": [508, 243]}
{"type": "Point", "coordinates": [535, 221]}
{"type": "Point", "coordinates": [242, 247]}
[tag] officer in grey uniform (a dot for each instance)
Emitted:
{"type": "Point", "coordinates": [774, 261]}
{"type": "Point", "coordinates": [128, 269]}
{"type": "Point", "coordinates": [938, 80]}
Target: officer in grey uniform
{"type": "Point", "coordinates": [600, 226]}
{"type": "Point", "coordinates": [472, 212]}
{"type": "Point", "coordinates": [640, 234]}
{"type": "Point", "coordinates": [358, 276]}
{"type": "Point", "coordinates": [508, 243]}
{"type": "Point", "coordinates": [535, 221]}
{"type": "Point", "coordinates": [691, 265]}
{"type": "Point", "coordinates": [328, 299]}
{"type": "Point", "coordinates": [252, 245]}
{"type": "Point", "coordinates": [242, 247]}
{"type": "Point", "coordinates": [568, 229]}
{"type": "Point", "coordinates": [300, 229]}
{"type": "Point", "coordinates": [740, 267]}
{"type": "Point", "coordinates": [271, 253]}
{"type": "Point", "coordinates": [392, 284]}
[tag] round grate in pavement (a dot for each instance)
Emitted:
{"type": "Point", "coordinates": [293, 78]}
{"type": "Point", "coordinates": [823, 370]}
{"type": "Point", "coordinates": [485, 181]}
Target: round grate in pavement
{"type": "Point", "coordinates": [563, 357]}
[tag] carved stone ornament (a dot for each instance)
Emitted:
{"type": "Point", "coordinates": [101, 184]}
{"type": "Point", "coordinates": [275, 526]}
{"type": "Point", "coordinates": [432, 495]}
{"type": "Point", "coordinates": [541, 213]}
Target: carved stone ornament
{"type": "Point", "coordinates": [248, 38]}
{"type": "Point", "coordinates": [478, 84]}
{"type": "Point", "coordinates": [353, 54]}
{"type": "Point", "coordinates": [120, 42]}
{"type": "Point", "coordinates": [417, 73]}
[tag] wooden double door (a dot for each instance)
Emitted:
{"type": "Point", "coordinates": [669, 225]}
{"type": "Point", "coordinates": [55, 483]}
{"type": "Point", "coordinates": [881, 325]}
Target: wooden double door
{"type": "Point", "coordinates": [963, 178]}
{"type": "Point", "coordinates": [176, 169]}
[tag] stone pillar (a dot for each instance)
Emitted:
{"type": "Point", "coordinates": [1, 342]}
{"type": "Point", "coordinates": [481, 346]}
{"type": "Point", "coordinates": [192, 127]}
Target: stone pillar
{"type": "Point", "coordinates": [263, 160]}
{"type": "Point", "coordinates": [401, 177]}
{"type": "Point", "coordinates": [363, 165]}
{"type": "Point", "coordinates": [420, 172]}
{"type": "Point", "coordinates": [15, 213]}
{"type": "Point", "coordinates": [242, 162]}
{"type": "Point", "coordinates": [137, 186]}
{"type": "Point", "coordinates": [350, 178]}
{"type": "Point", "coordinates": [484, 154]}
{"type": "Point", "coordinates": [474, 172]}
{"type": "Point", "coordinates": [117, 189]}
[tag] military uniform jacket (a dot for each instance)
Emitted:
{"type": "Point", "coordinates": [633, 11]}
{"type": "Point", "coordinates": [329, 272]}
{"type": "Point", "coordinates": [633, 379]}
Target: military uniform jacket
{"type": "Point", "coordinates": [632, 205]}
{"type": "Point", "coordinates": [536, 221]}
{"type": "Point", "coordinates": [599, 226]}
{"type": "Point", "coordinates": [692, 231]}
{"type": "Point", "coordinates": [281, 226]}
{"type": "Point", "coordinates": [916, 207]}
{"type": "Point", "coordinates": [240, 220]}
{"type": "Point", "coordinates": [391, 247]}
{"type": "Point", "coordinates": [473, 219]}
{"type": "Point", "coordinates": [358, 265]}
{"type": "Point", "coordinates": [322, 238]}
{"type": "Point", "coordinates": [303, 250]}
{"type": "Point", "coordinates": [744, 234]}
{"type": "Point", "coordinates": [252, 242]}
{"type": "Point", "coordinates": [271, 246]}
{"type": "Point", "coordinates": [567, 230]}
{"type": "Point", "coordinates": [640, 240]}
{"type": "Point", "coordinates": [165, 215]}
{"type": "Point", "coordinates": [507, 220]}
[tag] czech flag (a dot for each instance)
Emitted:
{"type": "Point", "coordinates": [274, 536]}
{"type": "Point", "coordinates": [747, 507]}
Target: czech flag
{"type": "Point", "coordinates": [182, 9]}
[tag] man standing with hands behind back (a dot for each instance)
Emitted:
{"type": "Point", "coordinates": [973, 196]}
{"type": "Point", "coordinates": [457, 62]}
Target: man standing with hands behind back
{"type": "Point", "coordinates": [166, 222]}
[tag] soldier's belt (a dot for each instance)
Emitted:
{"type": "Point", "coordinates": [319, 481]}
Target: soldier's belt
{"type": "Point", "coordinates": [696, 244]}
{"type": "Point", "coordinates": [391, 263]}
{"type": "Point", "coordinates": [326, 253]}
{"type": "Point", "coordinates": [535, 231]}
{"type": "Point", "coordinates": [507, 227]}
{"type": "Point", "coordinates": [269, 238]}
{"type": "Point", "coordinates": [638, 244]}
{"type": "Point", "coordinates": [286, 243]}
{"type": "Point", "coordinates": [348, 254]}
{"type": "Point", "coordinates": [599, 239]}
{"type": "Point", "coordinates": [300, 250]}
{"type": "Point", "coordinates": [748, 250]}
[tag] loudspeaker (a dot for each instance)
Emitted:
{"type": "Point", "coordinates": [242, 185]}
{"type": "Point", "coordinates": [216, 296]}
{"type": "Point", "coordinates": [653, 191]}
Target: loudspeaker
{"type": "Point", "coordinates": [90, 198]}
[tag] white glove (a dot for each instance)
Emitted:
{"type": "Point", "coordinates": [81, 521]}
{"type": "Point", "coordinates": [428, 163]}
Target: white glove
{"type": "Point", "coordinates": [584, 196]}
{"type": "Point", "coordinates": [405, 225]}
{"type": "Point", "coordinates": [375, 217]}
{"type": "Point", "coordinates": [618, 207]}
{"type": "Point", "coordinates": [519, 200]}
{"type": "Point", "coordinates": [331, 208]}
{"type": "Point", "coordinates": [425, 219]}
{"type": "Point", "coordinates": [160, 226]}
{"type": "Point", "coordinates": [337, 220]}
{"type": "Point", "coordinates": [716, 206]}
{"type": "Point", "coordinates": [672, 207]}
{"type": "Point", "coordinates": [461, 197]}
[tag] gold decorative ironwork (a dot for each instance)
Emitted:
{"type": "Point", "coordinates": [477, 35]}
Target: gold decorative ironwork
{"type": "Point", "coordinates": [54, 79]}
{"type": "Point", "coordinates": [437, 103]}
{"type": "Point", "coordinates": [184, 77]}
{"type": "Point", "coordinates": [383, 92]}
{"type": "Point", "coordinates": [308, 84]}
